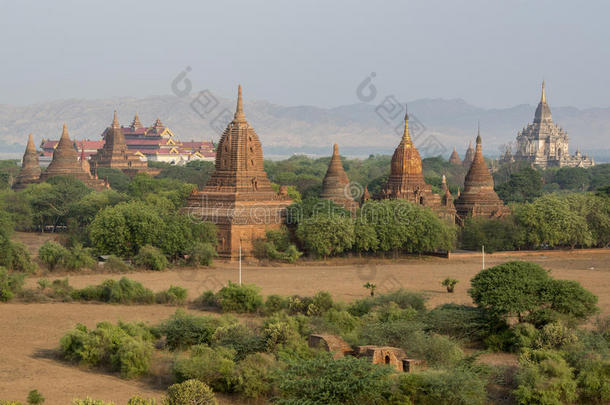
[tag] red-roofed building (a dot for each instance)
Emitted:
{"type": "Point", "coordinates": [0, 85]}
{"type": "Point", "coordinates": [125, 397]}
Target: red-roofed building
{"type": "Point", "coordinates": [156, 143]}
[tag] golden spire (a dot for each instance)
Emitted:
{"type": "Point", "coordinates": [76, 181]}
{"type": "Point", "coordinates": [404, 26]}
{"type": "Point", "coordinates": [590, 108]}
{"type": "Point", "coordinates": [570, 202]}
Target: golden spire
{"type": "Point", "coordinates": [239, 111]}
{"type": "Point", "coordinates": [64, 134]}
{"type": "Point", "coordinates": [405, 136]}
{"type": "Point", "coordinates": [543, 97]}
{"type": "Point", "coordinates": [115, 121]}
{"type": "Point", "coordinates": [335, 150]}
{"type": "Point", "coordinates": [478, 133]}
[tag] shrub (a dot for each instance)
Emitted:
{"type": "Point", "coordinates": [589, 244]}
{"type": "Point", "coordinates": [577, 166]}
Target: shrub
{"type": "Point", "coordinates": [124, 291]}
{"type": "Point", "coordinates": [190, 392]}
{"type": "Point", "coordinates": [459, 321]}
{"type": "Point", "coordinates": [215, 367]}
{"type": "Point", "coordinates": [123, 347]}
{"type": "Point", "coordinates": [183, 330]}
{"type": "Point", "coordinates": [35, 398]}
{"type": "Point", "coordinates": [78, 258]}
{"type": "Point", "coordinates": [456, 387]}
{"type": "Point", "coordinates": [276, 246]}
{"type": "Point", "coordinates": [52, 254]}
{"type": "Point", "coordinates": [149, 257]}
{"type": "Point", "coordinates": [116, 265]}
{"type": "Point", "coordinates": [553, 336]}
{"type": "Point", "coordinates": [239, 338]}
{"type": "Point", "coordinates": [206, 300]}
{"type": "Point", "coordinates": [275, 303]}
{"type": "Point", "coordinates": [544, 378]}
{"type": "Point", "coordinates": [202, 254]}
{"type": "Point", "coordinates": [15, 256]}
{"type": "Point", "coordinates": [239, 298]}
{"type": "Point", "coordinates": [323, 380]}
{"type": "Point", "coordinates": [254, 376]}
{"type": "Point", "coordinates": [138, 400]}
{"type": "Point", "coordinates": [173, 295]}
{"type": "Point", "coordinates": [89, 401]}
{"type": "Point", "coordinates": [10, 284]}
{"type": "Point", "coordinates": [449, 283]}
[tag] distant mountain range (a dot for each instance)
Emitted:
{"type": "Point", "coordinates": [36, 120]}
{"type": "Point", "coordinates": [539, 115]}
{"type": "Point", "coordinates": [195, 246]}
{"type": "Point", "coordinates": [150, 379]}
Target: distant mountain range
{"type": "Point", "coordinates": [360, 129]}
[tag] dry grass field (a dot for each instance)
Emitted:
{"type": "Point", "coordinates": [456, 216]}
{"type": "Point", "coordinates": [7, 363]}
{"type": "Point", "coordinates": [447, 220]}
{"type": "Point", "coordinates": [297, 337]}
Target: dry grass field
{"type": "Point", "coordinates": [29, 333]}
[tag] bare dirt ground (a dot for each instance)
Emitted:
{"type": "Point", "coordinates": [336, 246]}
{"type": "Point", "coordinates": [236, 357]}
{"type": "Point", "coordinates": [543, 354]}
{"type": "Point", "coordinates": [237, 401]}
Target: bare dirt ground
{"type": "Point", "coordinates": [29, 333]}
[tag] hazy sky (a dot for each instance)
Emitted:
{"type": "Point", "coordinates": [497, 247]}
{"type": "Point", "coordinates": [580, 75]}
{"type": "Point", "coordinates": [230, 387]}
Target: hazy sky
{"type": "Point", "coordinates": [490, 53]}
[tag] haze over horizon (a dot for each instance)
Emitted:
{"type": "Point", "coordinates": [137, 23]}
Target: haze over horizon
{"type": "Point", "coordinates": [492, 55]}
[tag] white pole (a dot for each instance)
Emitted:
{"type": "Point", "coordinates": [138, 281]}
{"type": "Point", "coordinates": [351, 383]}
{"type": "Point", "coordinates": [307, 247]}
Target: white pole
{"type": "Point", "coordinates": [483, 250]}
{"type": "Point", "coordinates": [240, 262]}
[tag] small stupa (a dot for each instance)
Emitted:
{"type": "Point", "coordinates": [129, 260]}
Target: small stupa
{"type": "Point", "coordinates": [335, 186]}
{"type": "Point", "coordinates": [30, 168]}
{"type": "Point", "coordinates": [454, 159]}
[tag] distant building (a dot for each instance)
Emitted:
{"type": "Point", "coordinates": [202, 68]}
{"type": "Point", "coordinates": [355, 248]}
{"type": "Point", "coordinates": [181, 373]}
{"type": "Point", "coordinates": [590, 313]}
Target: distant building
{"type": "Point", "coordinates": [545, 144]}
{"type": "Point", "coordinates": [156, 143]}
{"type": "Point", "coordinates": [454, 159]}
{"type": "Point", "coordinates": [335, 186]}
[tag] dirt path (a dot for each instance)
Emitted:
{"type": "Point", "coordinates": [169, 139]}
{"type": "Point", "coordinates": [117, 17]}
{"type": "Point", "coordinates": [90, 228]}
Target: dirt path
{"type": "Point", "coordinates": [29, 331]}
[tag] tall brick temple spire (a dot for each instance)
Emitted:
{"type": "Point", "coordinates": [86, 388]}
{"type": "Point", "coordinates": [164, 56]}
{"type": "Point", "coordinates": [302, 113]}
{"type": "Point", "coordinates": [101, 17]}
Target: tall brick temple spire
{"type": "Point", "coordinates": [238, 197]}
{"type": "Point", "coordinates": [335, 186]}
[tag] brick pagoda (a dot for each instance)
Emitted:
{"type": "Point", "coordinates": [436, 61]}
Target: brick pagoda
{"type": "Point", "coordinates": [66, 163]}
{"type": "Point", "coordinates": [30, 169]}
{"type": "Point", "coordinates": [406, 179]}
{"type": "Point", "coordinates": [478, 199]}
{"type": "Point", "coordinates": [335, 186]}
{"type": "Point", "coordinates": [469, 156]}
{"type": "Point", "coordinates": [115, 154]}
{"type": "Point", "coordinates": [454, 159]}
{"type": "Point", "coordinates": [238, 198]}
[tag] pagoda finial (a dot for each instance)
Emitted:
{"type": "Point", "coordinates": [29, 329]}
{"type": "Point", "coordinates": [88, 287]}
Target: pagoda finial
{"type": "Point", "coordinates": [239, 111]}
{"type": "Point", "coordinates": [335, 150]}
{"type": "Point", "coordinates": [543, 97]}
{"type": "Point", "coordinates": [405, 136]}
{"type": "Point", "coordinates": [115, 121]}
{"type": "Point", "coordinates": [136, 124]}
{"type": "Point", "coordinates": [30, 146]}
{"type": "Point", "coordinates": [64, 133]}
{"type": "Point", "coordinates": [444, 180]}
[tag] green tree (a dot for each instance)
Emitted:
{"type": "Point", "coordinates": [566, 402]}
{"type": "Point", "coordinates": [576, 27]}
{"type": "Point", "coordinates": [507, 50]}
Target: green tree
{"type": "Point", "coordinates": [522, 186]}
{"type": "Point", "coordinates": [325, 235]}
{"type": "Point", "coordinates": [496, 234]}
{"type": "Point", "coordinates": [35, 398]}
{"type": "Point", "coordinates": [190, 392]}
{"type": "Point", "coordinates": [52, 254]}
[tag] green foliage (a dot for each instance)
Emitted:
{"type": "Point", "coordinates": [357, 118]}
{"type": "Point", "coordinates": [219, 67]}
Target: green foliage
{"type": "Point", "coordinates": [449, 283]}
{"type": "Point", "coordinates": [138, 400]}
{"type": "Point", "coordinates": [52, 254]}
{"type": "Point", "coordinates": [276, 246]}
{"type": "Point", "coordinates": [312, 207]}
{"type": "Point", "coordinates": [459, 321]}
{"type": "Point", "coordinates": [79, 258]}
{"type": "Point", "coordinates": [496, 234]}
{"type": "Point", "coordinates": [35, 398]}
{"type": "Point", "coordinates": [90, 401]}
{"type": "Point", "coordinates": [275, 303]}
{"type": "Point", "coordinates": [522, 186]}
{"type": "Point", "coordinates": [544, 378]}
{"type": "Point", "coordinates": [322, 380]}
{"type": "Point", "coordinates": [184, 330]}
{"type": "Point", "coordinates": [123, 347]}
{"type": "Point", "coordinates": [523, 288]}
{"type": "Point", "coordinates": [550, 221]}
{"type": "Point", "coordinates": [196, 172]}
{"type": "Point", "coordinates": [124, 291]}
{"type": "Point", "coordinates": [151, 258]}
{"type": "Point", "coordinates": [238, 337]}
{"type": "Point", "coordinates": [402, 226]}
{"type": "Point", "coordinates": [239, 298]}
{"type": "Point", "coordinates": [214, 367]}
{"type": "Point", "coordinates": [202, 253]}
{"type": "Point", "coordinates": [116, 265]}
{"type": "Point", "coordinates": [10, 284]}
{"type": "Point", "coordinates": [451, 387]}
{"type": "Point", "coordinates": [509, 289]}
{"type": "Point", "coordinates": [325, 235]}
{"type": "Point", "coordinates": [173, 295]}
{"type": "Point", "coordinates": [15, 256]}
{"type": "Point", "coordinates": [190, 392]}
{"type": "Point", "coordinates": [254, 376]}
{"type": "Point", "coordinates": [143, 186]}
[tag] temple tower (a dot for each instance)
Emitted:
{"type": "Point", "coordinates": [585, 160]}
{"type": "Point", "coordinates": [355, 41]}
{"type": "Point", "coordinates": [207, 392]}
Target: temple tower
{"type": "Point", "coordinates": [66, 163]}
{"type": "Point", "coordinates": [238, 197]}
{"type": "Point", "coordinates": [454, 159]}
{"type": "Point", "coordinates": [114, 154]}
{"type": "Point", "coordinates": [335, 186]}
{"type": "Point", "coordinates": [469, 156]}
{"type": "Point", "coordinates": [406, 180]}
{"type": "Point", "coordinates": [478, 199]}
{"type": "Point", "coordinates": [447, 198]}
{"type": "Point", "coordinates": [30, 168]}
